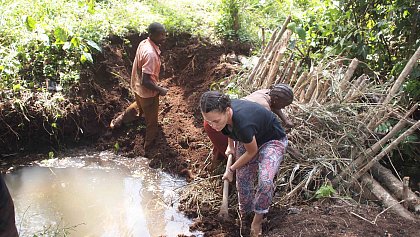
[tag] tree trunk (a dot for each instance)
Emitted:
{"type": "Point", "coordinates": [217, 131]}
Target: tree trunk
{"type": "Point", "coordinates": [311, 88]}
{"type": "Point", "coordinates": [386, 198]}
{"type": "Point", "coordinates": [394, 185]}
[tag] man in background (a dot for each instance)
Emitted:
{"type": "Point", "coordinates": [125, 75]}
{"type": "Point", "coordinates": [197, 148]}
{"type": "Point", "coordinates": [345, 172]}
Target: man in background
{"type": "Point", "coordinates": [144, 83]}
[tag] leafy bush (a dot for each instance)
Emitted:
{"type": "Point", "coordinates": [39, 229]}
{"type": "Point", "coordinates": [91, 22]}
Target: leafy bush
{"type": "Point", "coordinates": [54, 40]}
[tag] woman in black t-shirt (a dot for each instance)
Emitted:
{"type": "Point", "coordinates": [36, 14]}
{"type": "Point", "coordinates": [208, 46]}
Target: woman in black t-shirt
{"type": "Point", "coordinates": [261, 145]}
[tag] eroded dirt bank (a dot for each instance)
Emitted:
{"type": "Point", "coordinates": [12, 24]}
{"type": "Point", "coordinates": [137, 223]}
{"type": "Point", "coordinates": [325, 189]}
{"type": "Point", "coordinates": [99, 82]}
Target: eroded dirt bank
{"type": "Point", "coordinates": [190, 66]}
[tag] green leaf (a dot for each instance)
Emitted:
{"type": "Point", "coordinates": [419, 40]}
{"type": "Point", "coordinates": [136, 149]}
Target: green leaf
{"type": "Point", "coordinates": [86, 57]}
{"type": "Point", "coordinates": [30, 23]}
{"type": "Point", "coordinates": [54, 125]}
{"type": "Point", "coordinates": [91, 7]}
{"type": "Point", "coordinates": [301, 32]}
{"type": "Point", "coordinates": [50, 154]}
{"type": "Point", "coordinates": [325, 191]}
{"type": "Point", "coordinates": [370, 24]}
{"type": "Point", "coordinates": [83, 58]}
{"type": "Point", "coordinates": [94, 45]}
{"type": "Point", "coordinates": [291, 26]}
{"type": "Point", "coordinates": [75, 42]}
{"type": "Point", "coordinates": [16, 87]}
{"type": "Point", "coordinates": [60, 35]}
{"type": "Point", "coordinates": [116, 147]}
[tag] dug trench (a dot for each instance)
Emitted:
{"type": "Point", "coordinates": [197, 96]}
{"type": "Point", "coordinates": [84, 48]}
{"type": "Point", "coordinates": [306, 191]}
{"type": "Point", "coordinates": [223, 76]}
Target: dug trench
{"type": "Point", "coordinates": [190, 66]}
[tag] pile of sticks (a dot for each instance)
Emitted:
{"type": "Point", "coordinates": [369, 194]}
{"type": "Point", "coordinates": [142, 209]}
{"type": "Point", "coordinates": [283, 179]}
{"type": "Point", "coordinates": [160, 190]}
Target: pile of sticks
{"type": "Point", "coordinates": [337, 91]}
{"type": "Point", "coordinates": [267, 70]}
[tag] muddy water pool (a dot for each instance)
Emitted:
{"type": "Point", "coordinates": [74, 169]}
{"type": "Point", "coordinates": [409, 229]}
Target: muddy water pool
{"type": "Point", "coordinates": [96, 194]}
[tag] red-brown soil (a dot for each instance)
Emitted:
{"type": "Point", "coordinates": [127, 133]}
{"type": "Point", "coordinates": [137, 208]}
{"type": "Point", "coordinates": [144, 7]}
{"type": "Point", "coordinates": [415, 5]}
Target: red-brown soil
{"type": "Point", "coordinates": [190, 66]}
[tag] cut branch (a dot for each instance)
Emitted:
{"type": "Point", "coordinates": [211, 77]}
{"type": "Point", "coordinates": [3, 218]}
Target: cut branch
{"type": "Point", "coordinates": [395, 186]}
{"type": "Point", "coordinates": [388, 149]}
{"type": "Point", "coordinates": [386, 198]}
{"type": "Point", "coordinates": [349, 73]}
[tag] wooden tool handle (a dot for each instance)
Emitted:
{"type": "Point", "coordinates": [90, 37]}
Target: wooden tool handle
{"type": "Point", "coordinates": [226, 185]}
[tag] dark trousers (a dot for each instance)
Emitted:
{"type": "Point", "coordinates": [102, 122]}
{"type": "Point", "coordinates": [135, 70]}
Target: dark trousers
{"type": "Point", "coordinates": [7, 212]}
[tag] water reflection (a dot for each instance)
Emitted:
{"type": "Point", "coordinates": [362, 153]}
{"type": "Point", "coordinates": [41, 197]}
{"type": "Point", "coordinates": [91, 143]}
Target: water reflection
{"type": "Point", "coordinates": [96, 195]}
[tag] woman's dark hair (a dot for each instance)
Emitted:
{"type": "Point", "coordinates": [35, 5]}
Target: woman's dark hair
{"type": "Point", "coordinates": [214, 101]}
{"type": "Point", "coordinates": [282, 92]}
{"type": "Point", "coordinates": [155, 28]}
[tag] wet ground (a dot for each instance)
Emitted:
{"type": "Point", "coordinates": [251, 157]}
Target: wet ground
{"type": "Point", "coordinates": [190, 67]}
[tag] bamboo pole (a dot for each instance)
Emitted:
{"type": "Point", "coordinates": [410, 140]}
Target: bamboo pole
{"type": "Point", "coordinates": [261, 73]}
{"type": "Point", "coordinates": [289, 75]}
{"type": "Point", "coordinates": [362, 158]}
{"type": "Point", "coordinates": [400, 125]}
{"type": "Point", "coordinates": [396, 87]}
{"type": "Point", "coordinates": [324, 91]}
{"type": "Point", "coordinates": [283, 72]}
{"type": "Point", "coordinates": [349, 73]}
{"type": "Point", "coordinates": [311, 88]}
{"type": "Point", "coordinates": [406, 71]}
{"type": "Point", "coordinates": [389, 148]}
{"type": "Point", "coordinates": [354, 87]}
{"type": "Point", "coordinates": [295, 73]}
{"type": "Point", "coordinates": [359, 89]}
{"type": "Point", "coordinates": [274, 39]}
{"type": "Point", "coordinates": [262, 57]}
{"type": "Point", "coordinates": [301, 97]}
{"type": "Point", "coordinates": [406, 181]}
{"type": "Point", "coordinates": [263, 37]}
{"type": "Point", "coordinates": [318, 91]}
{"type": "Point", "coordinates": [300, 80]}
{"type": "Point", "coordinates": [274, 67]}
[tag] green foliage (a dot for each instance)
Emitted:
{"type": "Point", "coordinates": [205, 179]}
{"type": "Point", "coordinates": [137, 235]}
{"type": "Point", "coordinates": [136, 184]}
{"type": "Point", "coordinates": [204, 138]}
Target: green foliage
{"type": "Point", "coordinates": [195, 17]}
{"type": "Point", "coordinates": [386, 126]}
{"type": "Point", "coordinates": [412, 86]}
{"type": "Point", "coordinates": [174, 21]}
{"type": "Point", "coordinates": [54, 40]}
{"type": "Point", "coordinates": [243, 20]}
{"type": "Point", "coordinates": [116, 147]}
{"type": "Point", "coordinates": [229, 24]}
{"type": "Point", "coordinates": [381, 33]}
{"type": "Point", "coordinates": [408, 147]}
{"type": "Point", "coordinates": [56, 230]}
{"type": "Point", "coordinates": [325, 191]}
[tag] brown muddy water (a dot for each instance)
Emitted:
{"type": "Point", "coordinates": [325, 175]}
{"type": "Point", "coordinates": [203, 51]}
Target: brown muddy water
{"type": "Point", "coordinates": [96, 194]}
